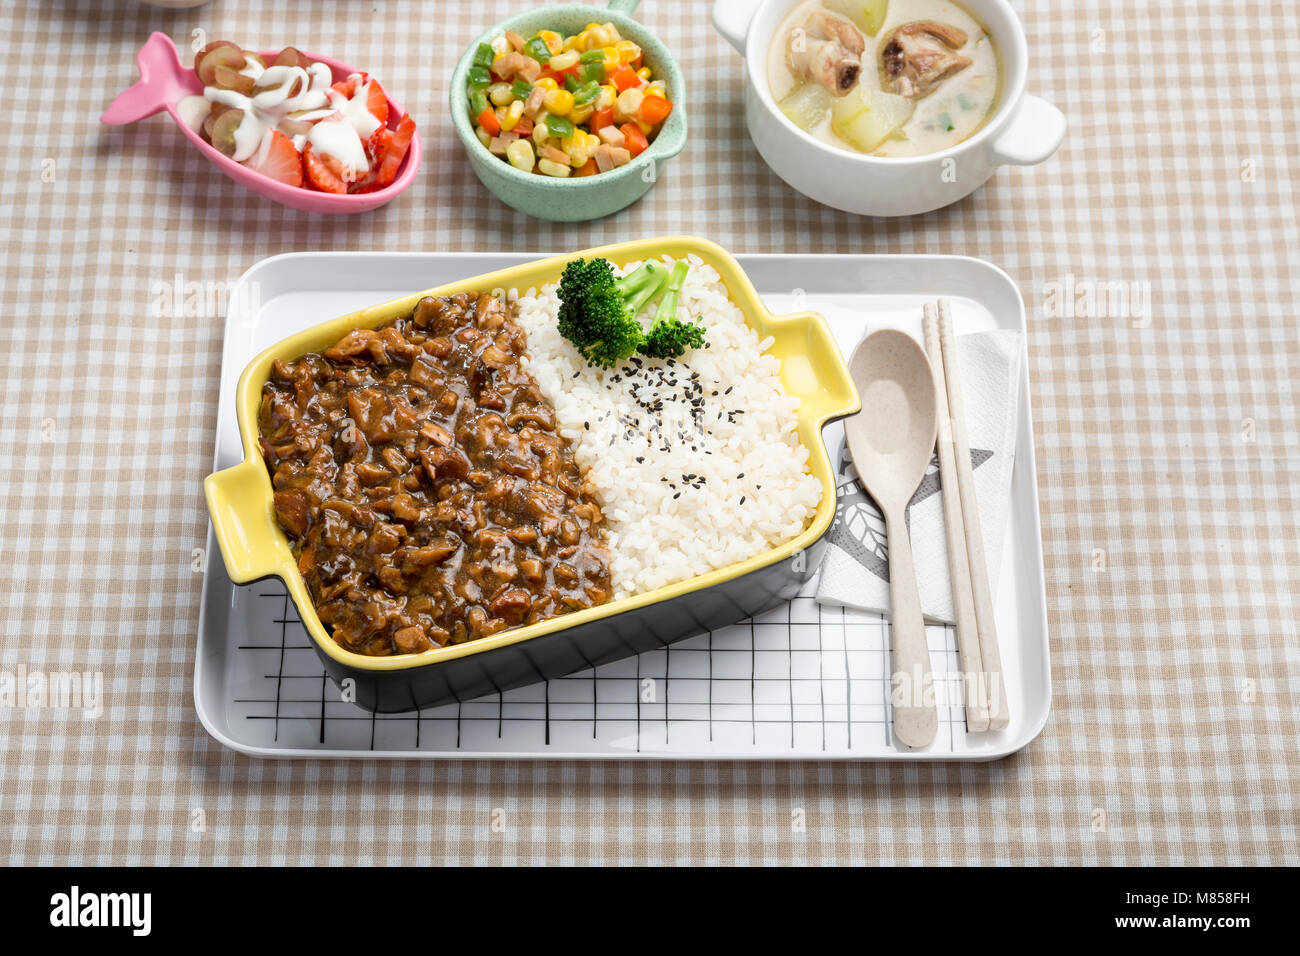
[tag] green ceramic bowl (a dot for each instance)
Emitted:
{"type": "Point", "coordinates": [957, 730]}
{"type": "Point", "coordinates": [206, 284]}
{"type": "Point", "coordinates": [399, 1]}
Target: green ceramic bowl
{"type": "Point", "coordinates": [589, 197]}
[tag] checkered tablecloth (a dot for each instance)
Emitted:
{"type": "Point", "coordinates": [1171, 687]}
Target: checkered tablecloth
{"type": "Point", "coordinates": [1167, 447]}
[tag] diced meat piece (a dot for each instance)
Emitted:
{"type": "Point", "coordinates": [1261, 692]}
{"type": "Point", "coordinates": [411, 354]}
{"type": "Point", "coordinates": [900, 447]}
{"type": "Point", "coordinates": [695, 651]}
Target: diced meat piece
{"type": "Point", "coordinates": [436, 434]}
{"type": "Point", "coordinates": [357, 347]}
{"type": "Point", "coordinates": [512, 606]}
{"type": "Point", "coordinates": [293, 509]}
{"type": "Point", "coordinates": [541, 501]}
{"type": "Point", "coordinates": [371, 474]}
{"type": "Point", "coordinates": [445, 463]}
{"type": "Point", "coordinates": [425, 373]}
{"type": "Point", "coordinates": [372, 412]}
{"type": "Point", "coordinates": [405, 508]}
{"type": "Point", "coordinates": [429, 554]}
{"type": "Point", "coordinates": [411, 640]}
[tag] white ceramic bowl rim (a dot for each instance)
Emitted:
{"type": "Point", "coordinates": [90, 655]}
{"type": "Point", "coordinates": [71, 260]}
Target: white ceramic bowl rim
{"type": "Point", "coordinates": [1013, 56]}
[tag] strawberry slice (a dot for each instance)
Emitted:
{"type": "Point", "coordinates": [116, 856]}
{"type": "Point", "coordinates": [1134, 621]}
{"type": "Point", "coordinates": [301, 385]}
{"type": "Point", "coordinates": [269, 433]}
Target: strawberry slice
{"type": "Point", "coordinates": [381, 141]}
{"type": "Point", "coordinates": [282, 162]}
{"type": "Point", "coordinates": [396, 151]}
{"type": "Point", "coordinates": [348, 86]}
{"type": "Point", "coordinates": [320, 175]}
{"type": "Point", "coordinates": [377, 102]}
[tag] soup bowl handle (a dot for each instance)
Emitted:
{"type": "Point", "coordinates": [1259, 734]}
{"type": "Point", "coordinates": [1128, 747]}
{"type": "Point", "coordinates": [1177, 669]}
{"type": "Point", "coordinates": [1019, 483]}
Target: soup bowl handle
{"type": "Point", "coordinates": [1033, 134]}
{"type": "Point", "coordinates": [732, 18]}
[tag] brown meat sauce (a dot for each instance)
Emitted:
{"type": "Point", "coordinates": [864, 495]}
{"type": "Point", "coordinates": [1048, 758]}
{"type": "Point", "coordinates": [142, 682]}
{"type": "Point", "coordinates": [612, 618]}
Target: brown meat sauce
{"type": "Point", "coordinates": [423, 487]}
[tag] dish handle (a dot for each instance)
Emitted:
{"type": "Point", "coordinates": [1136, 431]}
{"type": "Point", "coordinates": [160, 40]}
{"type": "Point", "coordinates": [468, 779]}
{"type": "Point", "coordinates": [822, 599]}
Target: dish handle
{"type": "Point", "coordinates": [625, 7]}
{"type": "Point", "coordinates": [160, 85]}
{"type": "Point", "coordinates": [246, 532]}
{"type": "Point", "coordinates": [824, 386]}
{"type": "Point", "coordinates": [732, 18]}
{"type": "Point", "coordinates": [1034, 134]}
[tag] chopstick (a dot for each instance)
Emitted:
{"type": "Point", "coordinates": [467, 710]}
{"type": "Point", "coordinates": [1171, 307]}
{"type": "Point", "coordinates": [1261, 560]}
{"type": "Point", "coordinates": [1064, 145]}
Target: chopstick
{"type": "Point", "coordinates": [990, 674]}
{"type": "Point", "coordinates": [963, 601]}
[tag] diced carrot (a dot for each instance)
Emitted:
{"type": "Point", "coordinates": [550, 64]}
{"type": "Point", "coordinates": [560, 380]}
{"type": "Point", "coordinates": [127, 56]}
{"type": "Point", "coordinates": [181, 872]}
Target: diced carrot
{"type": "Point", "coordinates": [625, 78]}
{"type": "Point", "coordinates": [654, 110]}
{"type": "Point", "coordinates": [587, 169]}
{"type": "Point", "coordinates": [524, 127]}
{"type": "Point", "coordinates": [602, 118]}
{"type": "Point", "coordinates": [634, 139]}
{"type": "Point", "coordinates": [488, 120]}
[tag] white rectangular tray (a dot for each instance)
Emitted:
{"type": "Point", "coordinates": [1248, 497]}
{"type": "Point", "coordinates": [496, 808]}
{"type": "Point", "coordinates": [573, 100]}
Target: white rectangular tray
{"type": "Point", "coordinates": [801, 682]}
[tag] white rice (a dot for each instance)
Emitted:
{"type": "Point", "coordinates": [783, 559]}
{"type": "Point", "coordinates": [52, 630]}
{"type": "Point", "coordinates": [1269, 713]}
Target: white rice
{"type": "Point", "coordinates": [734, 479]}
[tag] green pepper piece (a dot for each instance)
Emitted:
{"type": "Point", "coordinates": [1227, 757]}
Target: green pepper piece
{"type": "Point", "coordinates": [480, 78]}
{"type": "Point", "coordinates": [560, 127]}
{"type": "Point", "coordinates": [483, 55]}
{"type": "Point", "coordinates": [538, 50]}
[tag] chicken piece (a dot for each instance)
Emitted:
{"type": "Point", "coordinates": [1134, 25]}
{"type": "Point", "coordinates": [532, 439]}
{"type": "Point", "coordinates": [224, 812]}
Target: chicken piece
{"type": "Point", "coordinates": [827, 50]}
{"type": "Point", "coordinates": [920, 55]}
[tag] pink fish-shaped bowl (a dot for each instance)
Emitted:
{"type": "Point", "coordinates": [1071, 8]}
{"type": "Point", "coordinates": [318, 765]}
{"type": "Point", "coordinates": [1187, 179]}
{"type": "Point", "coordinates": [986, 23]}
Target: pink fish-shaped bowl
{"type": "Point", "coordinates": [164, 83]}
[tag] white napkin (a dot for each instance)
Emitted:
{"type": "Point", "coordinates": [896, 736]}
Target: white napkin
{"type": "Point", "coordinates": [855, 572]}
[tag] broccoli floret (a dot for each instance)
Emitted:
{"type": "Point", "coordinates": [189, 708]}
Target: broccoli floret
{"type": "Point", "coordinates": [598, 312]}
{"type": "Point", "coordinates": [669, 336]}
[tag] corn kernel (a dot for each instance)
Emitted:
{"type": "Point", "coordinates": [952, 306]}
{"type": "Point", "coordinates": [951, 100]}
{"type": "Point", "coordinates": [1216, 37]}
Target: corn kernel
{"type": "Point", "coordinates": [629, 101]}
{"type": "Point", "coordinates": [520, 154]}
{"type": "Point", "coordinates": [554, 42]}
{"type": "Point", "coordinates": [656, 89]}
{"type": "Point", "coordinates": [499, 94]}
{"type": "Point", "coordinates": [551, 168]}
{"type": "Point", "coordinates": [577, 149]}
{"type": "Point", "coordinates": [559, 102]}
{"type": "Point", "coordinates": [612, 59]}
{"type": "Point", "coordinates": [613, 31]}
{"type": "Point", "coordinates": [599, 37]}
{"type": "Point", "coordinates": [483, 136]}
{"type": "Point", "coordinates": [500, 46]}
{"type": "Point", "coordinates": [580, 114]}
{"type": "Point", "coordinates": [574, 43]}
{"type": "Point", "coordinates": [644, 73]}
{"type": "Point", "coordinates": [564, 61]}
{"type": "Point", "coordinates": [540, 132]}
{"type": "Point", "coordinates": [547, 83]}
{"type": "Point", "coordinates": [590, 26]}
{"type": "Point", "coordinates": [628, 52]}
{"type": "Point", "coordinates": [605, 98]}
{"type": "Point", "coordinates": [514, 112]}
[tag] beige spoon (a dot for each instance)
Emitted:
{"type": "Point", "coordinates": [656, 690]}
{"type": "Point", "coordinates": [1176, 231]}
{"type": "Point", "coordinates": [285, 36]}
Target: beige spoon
{"type": "Point", "coordinates": [891, 441]}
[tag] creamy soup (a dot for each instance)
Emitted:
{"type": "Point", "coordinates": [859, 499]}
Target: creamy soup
{"type": "Point", "coordinates": [885, 77]}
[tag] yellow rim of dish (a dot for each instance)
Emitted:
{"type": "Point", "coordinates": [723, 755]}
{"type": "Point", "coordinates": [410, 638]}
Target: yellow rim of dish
{"type": "Point", "coordinates": [240, 498]}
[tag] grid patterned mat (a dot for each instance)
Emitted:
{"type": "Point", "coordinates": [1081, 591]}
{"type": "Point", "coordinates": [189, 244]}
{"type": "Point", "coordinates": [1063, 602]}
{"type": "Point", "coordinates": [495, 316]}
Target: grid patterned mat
{"type": "Point", "coordinates": [1169, 457]}
{"type": "Point", "coordinates": [800, 679]}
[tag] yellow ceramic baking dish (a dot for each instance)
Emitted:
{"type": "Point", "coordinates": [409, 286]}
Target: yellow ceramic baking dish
{"type": "Point", "coordinates": [253, 545]}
